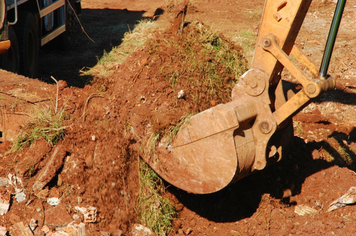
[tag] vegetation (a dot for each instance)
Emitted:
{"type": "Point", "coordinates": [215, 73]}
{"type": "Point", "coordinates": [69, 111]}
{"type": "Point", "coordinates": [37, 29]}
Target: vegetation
{"type": "Point", "coordinates": [201, 62]}
{"type": "Point", "coordinates": [154, 209]}
{"type": "Point", "coordinates": [131, 41]}
{"type": "Point", "coordinates": [46, 124]}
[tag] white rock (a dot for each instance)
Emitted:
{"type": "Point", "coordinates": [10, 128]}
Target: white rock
{"type": "Point", "coordinates": [181, 94]}
{"type": "Point", "coordinates": [3, 231]}
{"type": "Point", "coordinates": [4, 207]}
{"type": "Point", "coordinates": [71, 230]}
{"type": "Point", "coordinates": [20, 197]}
{"type": "Point", "coordinates": [53, 201]}
{"type": "Point", "coordinates": [33, 224]}
{"type": "Point", "coordinates": [140, 230]}
{"type": "Point", "coordinates": [88, 213]}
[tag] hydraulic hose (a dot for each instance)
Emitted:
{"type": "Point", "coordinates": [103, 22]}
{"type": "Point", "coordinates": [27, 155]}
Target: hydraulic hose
{"type": "Point", "coordinates": [334, 28]}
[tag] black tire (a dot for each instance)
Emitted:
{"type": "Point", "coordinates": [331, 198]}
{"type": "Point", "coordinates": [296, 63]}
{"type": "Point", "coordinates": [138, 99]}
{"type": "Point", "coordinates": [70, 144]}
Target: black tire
{"type": "Point", "coordinates": [29, 44]}
{"type": "Point", "coordinates": [11, 59]}
{"type": "Point", "coordinates": [63, 42]}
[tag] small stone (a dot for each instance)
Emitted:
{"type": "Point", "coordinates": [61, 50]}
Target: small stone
{"type": "Point", "coordinates": [93, 137]}
{"type": "Point", "coordinates": [180, 94]}
{"type": "Point", "coordinates": [71, 230]}
{"type": "Point", "coordinates": [20, 197]}
{"type": "Point", "coordinates": [4, 206]}
{"type": "Point", "coordinates": [45, 229]}
{"type": "Point", "coordinates": [188, 231]}
{"type": "Point", "coordinates": [80, 200]}
{"type": "Point", "coordinates": [88, 213]}
{"type": "Point", "coordinates": [76, 217]}
{"type": "Point", "coordinates": [60, 180]}
{"type": "Point", "coordinates": [19, 229]}
{"type": "Point", "coordinates": [33, 224]}
{"type": "Point", "coordinates": [140, 230]}
{"type": "Point", "coordinates": [3, 231]}
{"type": "Point", "coordinates": [53, 201]}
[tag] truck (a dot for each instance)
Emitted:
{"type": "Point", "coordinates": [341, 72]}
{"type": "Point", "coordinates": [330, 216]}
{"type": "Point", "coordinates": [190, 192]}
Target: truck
{"type": "Point", "coordinates": [27, 25]}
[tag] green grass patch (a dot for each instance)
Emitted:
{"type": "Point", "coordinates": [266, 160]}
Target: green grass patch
{"type": "Point", "coordinates": [155, 211]}
{"type": "Point", "coordinates": [46, 124]}
{"type": "Point", "coordinates": [202, 62]}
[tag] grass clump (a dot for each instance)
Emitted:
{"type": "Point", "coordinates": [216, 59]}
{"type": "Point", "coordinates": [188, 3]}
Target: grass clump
{"type": "Point", "coordinates": [46, 124]}
{"type": "Point", "coordinates": [132, 40]}
{"type": "Point", "coordinates": [201, 62]}
{"type": "Point", "coordinates": [154, 210]}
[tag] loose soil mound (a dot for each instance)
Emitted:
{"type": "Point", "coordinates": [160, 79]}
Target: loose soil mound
{"type": "Point", "coordinates": [107, 131]}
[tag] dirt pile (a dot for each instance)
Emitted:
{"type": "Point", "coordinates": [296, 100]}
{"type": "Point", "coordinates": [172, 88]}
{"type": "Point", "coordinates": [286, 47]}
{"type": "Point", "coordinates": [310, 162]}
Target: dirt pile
{"type": "Point", "coordinates": [106, 132]}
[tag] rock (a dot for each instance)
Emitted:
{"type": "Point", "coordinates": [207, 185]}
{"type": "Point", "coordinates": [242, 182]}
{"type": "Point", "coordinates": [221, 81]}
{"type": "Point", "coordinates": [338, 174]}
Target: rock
{"type": "Point", "coordinates": [19, 229]}
{"type": "Point", "coordinates": [53, 201]}
{"type": "Point", "coordinates": [15, 182]}
{"type": "Point", "coordinates": [51, 168]}
{"type": "Point", "coordinates": [20, 197]}
{"type": "Point", "coordinates": [76, 217]}
{"type": "Point", "coordinates": [71, 230]}
{"type": "Point", "coordinates": [45, 229]}
{"type": "Point", "coordinates": [349, 198]}
{"type": "Point", "coordinates": [140, 230]}
{"type": "Point", "coordinates": [4, 205]}
{"type": "Point", "coordinates": [88, 213]}
{"type": "Point", "coordinates": [180, 94]}
{"type": "Point", "coordinates": [29, 164]}
{"type": "Point", "coordinates": [57, 216]}
{"type": "Point", "coordinates": [305, 210]}
{"type": "Point", "coordinates": [33, 224]}
{"type": "Point", "coordinates": [3, 231]}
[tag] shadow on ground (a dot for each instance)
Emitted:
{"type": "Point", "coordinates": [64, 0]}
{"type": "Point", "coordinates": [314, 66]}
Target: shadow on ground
{"type": "Point", "coordinates": [242, 199]}
{"type": "Point", "coordinates": [106, 27]}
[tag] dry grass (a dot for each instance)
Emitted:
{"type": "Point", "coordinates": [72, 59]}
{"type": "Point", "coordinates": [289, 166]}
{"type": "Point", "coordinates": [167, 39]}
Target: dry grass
{"type": "Point", "coordinates": [46, 124]}
{"type": "Point", "coordinates": [131, 42]}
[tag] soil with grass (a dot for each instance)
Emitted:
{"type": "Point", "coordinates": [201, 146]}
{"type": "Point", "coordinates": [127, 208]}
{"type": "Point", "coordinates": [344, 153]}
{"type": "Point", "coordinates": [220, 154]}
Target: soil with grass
{"type": "Point", "coordinates": [109, 122]}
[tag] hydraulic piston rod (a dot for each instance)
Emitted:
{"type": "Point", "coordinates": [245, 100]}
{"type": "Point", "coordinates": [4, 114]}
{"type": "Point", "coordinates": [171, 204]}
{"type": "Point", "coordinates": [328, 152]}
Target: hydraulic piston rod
{"type": "Point", "coordinates": [334, 28]}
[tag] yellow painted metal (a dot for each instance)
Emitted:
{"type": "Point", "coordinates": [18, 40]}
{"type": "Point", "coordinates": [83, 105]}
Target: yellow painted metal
{"type": "Point", "coordinates": [282, 19]}
{"type": "Point", "coordinates": [225, 143]}
{"type": "Point", "coordinates": [4, 46]}
{"type": "Point", "coordinates": [302, 58]}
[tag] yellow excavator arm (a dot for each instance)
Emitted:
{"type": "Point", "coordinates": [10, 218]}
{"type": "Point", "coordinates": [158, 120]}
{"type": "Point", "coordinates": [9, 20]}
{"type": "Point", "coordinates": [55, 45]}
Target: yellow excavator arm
{"type": "Point", "coordinates": [223, 144]}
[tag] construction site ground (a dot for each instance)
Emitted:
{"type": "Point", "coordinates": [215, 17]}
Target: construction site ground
{"type": "Point", "coordinates": [96, 163]}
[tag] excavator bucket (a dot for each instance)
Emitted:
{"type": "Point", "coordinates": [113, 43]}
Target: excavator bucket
{"type": "Point", "coordinates": [227, 142]}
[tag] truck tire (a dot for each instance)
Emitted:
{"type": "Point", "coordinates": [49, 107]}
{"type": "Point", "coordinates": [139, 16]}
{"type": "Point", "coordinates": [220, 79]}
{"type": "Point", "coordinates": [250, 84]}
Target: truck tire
{"type": "Point", "coordinates": [63, 41]}
{"type": "Point", "coordinates": [29, 44]}
{"type": "Point", "coordinates": [10, 60]}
